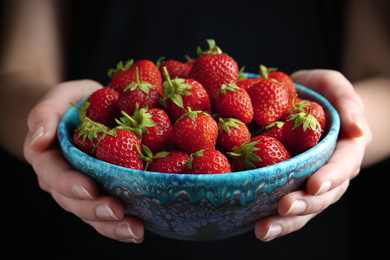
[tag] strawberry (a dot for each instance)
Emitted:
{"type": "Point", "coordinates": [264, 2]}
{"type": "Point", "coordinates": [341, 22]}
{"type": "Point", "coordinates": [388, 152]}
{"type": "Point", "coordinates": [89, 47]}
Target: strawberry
{"type": "Point", "coordinates": [269, 101]}
{"type": "Point", "coordinates": [194, 131]}
{"type": "Point", "coordinates": [87, 136]}
{"type": "Point", "coordinates": [151, 125]}
{"type": "Point", "coordinates": [274, 130]}
{"type": "Point", "coordinates": [316, 110]}
{"type": "Point", "coordinates": [290, 105]}
{"type": "Point", "coordinates": [213, 69]}
{"type": "Point", "coordinates": [231, 133]}
{"type": "Point", "coordinates": [260, 151]}
{"type": "Point", "coordinates": [281, 77]}
{"type": "Point", "coordinates": [101, 107]}
{"type": "Point", "coordinates": [123, 75]}
{"type": "Point", "coordinates": [176, 69]}
{"type": "Point", "coordinates": [247, 83]}
{"type": "Point", "coordinates": [244, 82]}
{"type": "Point", "coordinates": [182, 93]}
{"type": "Point", "coordinates": [301, 132]}
{"type": "Point", "coordinates": [122, 148]}
{"type": "Point", "coordinates": [234, 102]}
{"type": "Point", "coordinates": [141, 93]}
{"type": "Point", "coordinates": [173, 161]}
{"type": "Point", "coordinates": [208, 161]}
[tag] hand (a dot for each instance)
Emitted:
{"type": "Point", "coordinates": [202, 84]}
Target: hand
{"type": "Point", "coordinates": [72, 190]}
{"type": "Point", "coordinates": [329, 183]}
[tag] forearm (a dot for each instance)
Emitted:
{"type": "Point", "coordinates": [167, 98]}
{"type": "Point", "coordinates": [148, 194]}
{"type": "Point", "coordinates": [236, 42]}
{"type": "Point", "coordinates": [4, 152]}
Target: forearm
{"type": "Point", "coordinates": [30, 64]}
{"type": "Point", "coordinates": [31, 42]}
{"type": "Point", "coordinates": [19, 92]}
{"type": "Point", "coordinates": [375, 93]}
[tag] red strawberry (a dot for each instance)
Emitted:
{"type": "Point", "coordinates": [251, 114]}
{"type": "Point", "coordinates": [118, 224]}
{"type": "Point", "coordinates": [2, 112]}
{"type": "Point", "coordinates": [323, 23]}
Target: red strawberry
{"type": "Point", "coordinates": [101, 107]}
{"type": "Point", "coordinates": [152, 126]}
{"type": "Point", "coordinates": [247, 83]}
{"type": "Point", "coordinates": [122, 148]}
{"type": "Point", "coordinates": [316, 110]}
{"type": "Point", "coordinates": [291, 104]}
{"type": "Point", "coordinates": [176, 69]}
{"type": "Point", "coordinates": [87, 136]}
{"type": "Point", "coordinates": [281, 77]}
{"type": "Point", "coordinates": [260, 151]}
{"type": "Point", "coordinates": [208, 161]}
{"type": "Point", "coordinates": [180, 94]}
{"type": "Point", "coordinates": [269, 100]}
{"type": "Point", "coordinates": [213, 69]}
{"type": "Point", "coordinates": [300, 133]}
{"type": "Point", "coordinates": [234, 102]}
{"type": "Point", "coordinates": [173, 161]}
{"type": "Point", "coordinates": [274, 130]}
{"type": "Point", "coordinates": [194, 131]}
{"type": "Point", "coordinates": [231, 133]}
{"type": "Point", "coordinates": [123, 75]}
{"type": "Point", "coordinates": [141, 93]}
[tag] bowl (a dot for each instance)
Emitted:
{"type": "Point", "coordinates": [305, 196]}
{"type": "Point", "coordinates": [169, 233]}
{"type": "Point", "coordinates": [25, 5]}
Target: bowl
{"type": "Point", "coordinates": [203, 207]}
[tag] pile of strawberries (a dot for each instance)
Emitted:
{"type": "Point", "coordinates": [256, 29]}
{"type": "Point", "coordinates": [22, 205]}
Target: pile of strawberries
{"type": "Point", "coordinates": [199, 117]}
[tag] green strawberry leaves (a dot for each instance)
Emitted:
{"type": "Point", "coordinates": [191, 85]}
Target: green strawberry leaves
{"type": "Point", "coordinates": [227, 123]}
{"type": "Point", "coordinates": [213, 49]}
{"type": "Point", "coordinates": [143, 86]}
{"type": "Point", "coordinates": [228, 87]}
{"type": "Point", "coordinates": [193, 155]}
{"type": "Point", "coordinates": [119, 68]}
{"type": "Point", "coordinates": [192, 114]}
{"type": "Point", "coordinates": [175, 89]}
{"type": "Point", "coordinates": [138, 123]}
{"type": "Point", "coordinates": [264, 71]}
{"type": "Point", "coordinates": [90, 129]}
{"type": "Point", "coordinates": [83, 109]}
{"type": "Point", "coordinates": [305, 119]}
{"type": "Point", "coordinates": [244, 157]}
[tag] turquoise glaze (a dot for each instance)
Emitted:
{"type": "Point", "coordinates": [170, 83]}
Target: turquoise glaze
{"type": "Point", "coordinates": [203, 207]}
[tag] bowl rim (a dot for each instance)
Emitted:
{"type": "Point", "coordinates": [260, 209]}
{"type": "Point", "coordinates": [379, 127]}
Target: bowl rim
{"type": "Point", "coordinates": [64, 138]}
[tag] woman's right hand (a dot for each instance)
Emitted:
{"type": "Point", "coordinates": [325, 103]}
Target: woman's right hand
{"type": "Point", "coordinates": [72, 190]}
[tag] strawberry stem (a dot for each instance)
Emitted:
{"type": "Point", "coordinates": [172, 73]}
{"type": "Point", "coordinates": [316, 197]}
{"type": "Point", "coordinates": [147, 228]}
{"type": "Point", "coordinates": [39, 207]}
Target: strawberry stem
{"type": "Point", "coordinates": [168, 78]}
{"type": "Point", "coordinates": [264, 71]}
{"type": "Point", "coordinates": [244, 157]}
{"type": "Point", "coordinates": [174, 89]}
{"type": "Point", "coordinates": [213, 49]}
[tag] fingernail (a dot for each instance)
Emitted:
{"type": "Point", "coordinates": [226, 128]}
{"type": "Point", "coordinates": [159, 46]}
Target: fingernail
{"type": "Point", "coordinates": [324, 188]}
{"type": "Point", "coordinates": [273, 231]}
{"type": "Point", "coordinates": [80, 192]}
{"type": "Point", "coordinates": [104, 212]}
{"type": "Point", "coordinates": [298, 207]}
{"type": "Point", "coordinates": [37, 134]}
{"type": "Point", "coordinates": [124, 231]}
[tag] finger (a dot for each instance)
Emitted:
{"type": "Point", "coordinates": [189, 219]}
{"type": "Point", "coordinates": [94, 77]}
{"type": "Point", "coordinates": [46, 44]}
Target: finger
{"type": "Point", "coordinates": [277, 226]}
{"type": "Point", "coordinates": [44, 118]}
{"type": "Point", "coordinates": [344, 164]}
{"type": "Point", "coordinates": [102, 208]}
{"type": "Point", "coordinates": [129, 229]}
{"type": "Point", "coordinates": [55, 174]}
{"type": "Point", "coordinates": [301, 203]}
{"type": "Point", "coordinates": [339, 91]}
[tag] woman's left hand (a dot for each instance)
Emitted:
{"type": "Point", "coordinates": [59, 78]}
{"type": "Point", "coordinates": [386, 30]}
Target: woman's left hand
{"type": "Point", "coordinates": [329, 183]}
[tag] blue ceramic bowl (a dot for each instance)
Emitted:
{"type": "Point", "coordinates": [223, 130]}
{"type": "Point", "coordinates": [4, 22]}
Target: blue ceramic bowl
{"type": "Point", "coordinates": [203, 207]}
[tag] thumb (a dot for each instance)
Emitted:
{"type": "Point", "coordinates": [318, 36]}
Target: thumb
{"type": "Point", "coordinates": [340, 92]}
{"type": "Point", "coordinates": [44, 117]}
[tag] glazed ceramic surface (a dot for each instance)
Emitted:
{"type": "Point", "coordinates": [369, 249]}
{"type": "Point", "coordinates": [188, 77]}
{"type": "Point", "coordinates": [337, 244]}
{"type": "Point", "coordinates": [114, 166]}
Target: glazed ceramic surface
{"type": "Point", "coordinates": [203, 207]}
